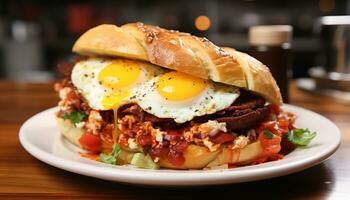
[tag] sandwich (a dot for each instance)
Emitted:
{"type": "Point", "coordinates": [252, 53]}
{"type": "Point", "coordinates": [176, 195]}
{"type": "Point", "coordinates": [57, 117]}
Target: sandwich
{"type": "Point", "coordinates": [154, 98]}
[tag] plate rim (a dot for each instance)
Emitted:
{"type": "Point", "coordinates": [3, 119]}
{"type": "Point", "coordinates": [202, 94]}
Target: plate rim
{"type": "Point", "coordinates": [176, 177]}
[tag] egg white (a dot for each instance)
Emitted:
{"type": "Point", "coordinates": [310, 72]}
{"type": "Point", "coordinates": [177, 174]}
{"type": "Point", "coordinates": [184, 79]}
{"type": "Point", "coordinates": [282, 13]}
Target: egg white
{"type": "Point", "coordinates": [215, 97]}
{"type": "Point", "coordinates": [85, 78]}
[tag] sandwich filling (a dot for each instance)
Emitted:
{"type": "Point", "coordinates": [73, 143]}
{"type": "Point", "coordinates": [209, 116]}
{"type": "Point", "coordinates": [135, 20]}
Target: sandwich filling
{"type": "Point", "coordinates": [144, 108]}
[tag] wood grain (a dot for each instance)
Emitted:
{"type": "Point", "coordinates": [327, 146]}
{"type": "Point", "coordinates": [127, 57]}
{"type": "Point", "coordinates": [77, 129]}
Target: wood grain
{"type": "Point", "coordinates": [24, 177]}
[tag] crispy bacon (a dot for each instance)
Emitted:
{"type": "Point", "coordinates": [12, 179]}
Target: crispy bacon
{"type": "Point", "coordinates": [65, 68]}
{"type": "Point", "coordinates": [238, 116]}
{"type": "Point", "coordinates": [248, 120]}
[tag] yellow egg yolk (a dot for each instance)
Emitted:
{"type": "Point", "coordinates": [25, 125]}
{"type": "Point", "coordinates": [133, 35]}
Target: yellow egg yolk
{"type": "Point", "coordinates": [119, 74]}
{"type": "Point", "coordinates": [177, 86]}
{"type": "Point", "coordinates": [112, 100]}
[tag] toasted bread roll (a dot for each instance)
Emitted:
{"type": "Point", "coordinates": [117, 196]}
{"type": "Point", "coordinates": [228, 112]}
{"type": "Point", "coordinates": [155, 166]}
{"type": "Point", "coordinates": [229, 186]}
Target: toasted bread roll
{"type": "Point", "coordinates": [258, 76]}
{"type": "Point", "coordinates": [170, 49]}
{"type": "Point", "coordinates": [69, 131]}
{"type": "Point", "coordinates": [181, 52]}
{"type": "Point", "coordinates": [186, 53]}
{"type": "Point", "coordinates": [109, 40]}
{"type": "Point", "coordinates": [197, 157]}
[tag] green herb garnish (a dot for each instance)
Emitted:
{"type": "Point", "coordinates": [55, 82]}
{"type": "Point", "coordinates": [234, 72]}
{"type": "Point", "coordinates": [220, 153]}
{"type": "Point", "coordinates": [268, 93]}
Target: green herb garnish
{"type": "Point", "coordinates": [300, 136]}
{"type": "Point", "coordinates": [111, 158]}
{"type": "Point", "coordinates": [75, 116]}
{"type": "Point", "coordinates": [268, 134]}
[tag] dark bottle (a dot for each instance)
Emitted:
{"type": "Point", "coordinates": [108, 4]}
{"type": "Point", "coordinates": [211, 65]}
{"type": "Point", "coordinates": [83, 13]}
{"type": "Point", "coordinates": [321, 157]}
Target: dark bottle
{"type": "Point", "coordinates": [271, 45]}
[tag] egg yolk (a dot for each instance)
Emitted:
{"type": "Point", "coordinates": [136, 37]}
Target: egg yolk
{"type": "Point", "coordinates": [119, 74]}
{"type": "Point", "coordinates": [113, 100]}
{"type": "Point", "coordinates": [179, 86]}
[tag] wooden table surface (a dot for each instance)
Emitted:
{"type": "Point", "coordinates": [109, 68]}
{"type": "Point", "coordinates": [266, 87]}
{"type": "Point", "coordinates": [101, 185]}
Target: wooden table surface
{"type": "Point", "coordinates": [24, 177]}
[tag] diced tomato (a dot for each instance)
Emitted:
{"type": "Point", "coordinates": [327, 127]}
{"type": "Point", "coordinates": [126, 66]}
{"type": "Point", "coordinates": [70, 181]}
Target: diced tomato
{"type": "Point", "coordinates": [283, 126]}
{"type": "Point", "coordinates": [160, 152]}
{"type": "Point", "coordinates": [271, 146]}
{"type": "Point", "coordinates": [283, 123]}
{"type": "Point", "coordinates": [90, 142]}
{"type": "Point", "coordinates": [144, 140]}
{"type": "Point", "coordinates": [276, 157]}
{"type": "Point", "coordinates": [279, 127]}
{"type": "Point", "coordinates": [222, 137]}
{"type": "Point", "coordinates": [275, 109]}
{"type": "Point", "coordinates": [180, 146]}
{"type": "Point", "coordinates": [176, 158]}
{"type": "Point", "coordinates": [267, 159]}
{"type": "Point", "coordinates": [91, 156]}
{"type": "Point", "coordinates": [269, 125]}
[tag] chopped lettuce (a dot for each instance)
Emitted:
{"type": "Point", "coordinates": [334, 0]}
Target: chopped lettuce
{"type": "Point", "coordinates": [142, 161]}
{"type": "Point", "coordinates": [75, 117]}
{"type": "Point", "coordinates": [300, 136]}
{"type": "Point", "coordinates": [111, 158]}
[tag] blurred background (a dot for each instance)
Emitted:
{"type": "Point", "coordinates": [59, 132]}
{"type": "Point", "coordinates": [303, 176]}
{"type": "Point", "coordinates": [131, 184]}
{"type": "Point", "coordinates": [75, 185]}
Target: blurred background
{"type": "Point", "coordinates": [36, 35]}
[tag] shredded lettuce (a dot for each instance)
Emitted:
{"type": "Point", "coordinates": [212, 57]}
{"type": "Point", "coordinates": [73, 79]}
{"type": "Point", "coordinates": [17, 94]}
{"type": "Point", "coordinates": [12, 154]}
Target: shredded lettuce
{"type": "Point", "coordinates": [111, 158]}
{"type": "Point", "coordinates": [300, 136]}
{"type": "Point", "coordinates": [142, 161]}
{"type": "Point", "coordinates": [75, 116]}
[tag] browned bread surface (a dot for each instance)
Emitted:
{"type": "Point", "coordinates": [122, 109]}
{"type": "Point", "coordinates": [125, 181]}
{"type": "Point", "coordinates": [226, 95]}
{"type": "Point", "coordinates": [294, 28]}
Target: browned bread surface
{"type": "Point", "coordinates": [181, 52]}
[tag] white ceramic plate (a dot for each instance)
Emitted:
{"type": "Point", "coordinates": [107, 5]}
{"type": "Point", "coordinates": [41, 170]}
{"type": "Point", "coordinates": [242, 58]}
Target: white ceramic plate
{"type": "Point", "coordinates": [40, 136]}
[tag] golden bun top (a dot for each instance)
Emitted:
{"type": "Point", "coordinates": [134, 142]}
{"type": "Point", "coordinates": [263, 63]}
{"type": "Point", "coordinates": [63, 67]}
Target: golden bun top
{"type": "Point", "coordinates": [181, 52]}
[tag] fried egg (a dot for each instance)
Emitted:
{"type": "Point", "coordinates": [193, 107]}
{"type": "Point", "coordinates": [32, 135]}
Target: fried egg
{"type": "Point", "coordinates": [103, 83]}
{"type": "Point", "coordinates": [182, 97]}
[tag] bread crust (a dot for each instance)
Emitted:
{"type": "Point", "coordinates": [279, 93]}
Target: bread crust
{"type": "Point", "coordinates": [171, 49]}
{"type": "Point", "coordinates": [258, 76]}
{"type": "Point", "coordinates": [181, 52]}
{"type": "Point", "coordinates": [196, 157]}
{"type": "Point", "coordinates": [109, 40]}
{"type": "Point", "coordinates": [69, 131]}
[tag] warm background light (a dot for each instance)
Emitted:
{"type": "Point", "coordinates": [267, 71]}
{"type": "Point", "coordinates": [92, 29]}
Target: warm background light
{"type": "Point", "coordinates": [327, 5]}
{"type": "Point", "coordinates": [202, 23]}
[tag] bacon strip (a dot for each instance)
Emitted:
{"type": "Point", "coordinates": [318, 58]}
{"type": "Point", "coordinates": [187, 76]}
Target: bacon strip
{"type": "Point", "coordinates": [247, 120]}
{"type": "Point", "coordinates": [246, 112]}
{"type": "Point", "coordinates": [66, 68]}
